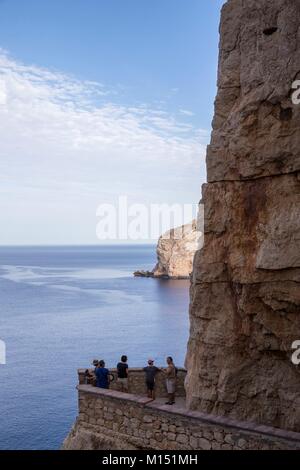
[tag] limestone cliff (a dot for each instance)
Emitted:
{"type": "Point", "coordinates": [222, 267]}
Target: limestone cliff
{"type": "Point", "coordinates": [175, 253]}
{"type": "Point", "coordinates": [245, 293]}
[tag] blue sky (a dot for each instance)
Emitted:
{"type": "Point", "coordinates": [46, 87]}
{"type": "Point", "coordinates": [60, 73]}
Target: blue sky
{"type": "Point", "coordinates": [100, 99]}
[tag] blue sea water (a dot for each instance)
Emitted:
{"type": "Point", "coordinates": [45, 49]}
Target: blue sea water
{"type": "Point", "coordinates": [60, 308]}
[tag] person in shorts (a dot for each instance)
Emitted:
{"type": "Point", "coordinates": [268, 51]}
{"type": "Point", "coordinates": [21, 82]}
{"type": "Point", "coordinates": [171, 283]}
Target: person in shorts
{"type": "Point", "coordinates": [171, 373]}
{"type": "Point", "coordinates": [150, 372]}
{"type": "Point", "coordinates": [122, 368]}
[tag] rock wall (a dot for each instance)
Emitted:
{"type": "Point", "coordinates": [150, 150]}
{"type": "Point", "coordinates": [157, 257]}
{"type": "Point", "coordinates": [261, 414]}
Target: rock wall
{"type": "Point", "coordinates": [245, 294]}
{"type": "Point", "coordinates": [110, 420]}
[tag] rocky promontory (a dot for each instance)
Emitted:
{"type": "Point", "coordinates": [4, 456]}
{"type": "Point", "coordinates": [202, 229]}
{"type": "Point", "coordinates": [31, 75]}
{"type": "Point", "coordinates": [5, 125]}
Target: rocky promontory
{"type": "Point", "coordinates": [175, 253]}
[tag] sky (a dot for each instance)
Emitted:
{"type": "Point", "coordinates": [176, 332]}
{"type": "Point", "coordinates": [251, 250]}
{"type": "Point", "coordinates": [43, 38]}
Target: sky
{"type": "Point", "coordinates": [101, 99]}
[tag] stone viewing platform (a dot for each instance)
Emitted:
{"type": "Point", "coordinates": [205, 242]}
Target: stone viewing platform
{"type": "Point", "coordinates": [112, 420]}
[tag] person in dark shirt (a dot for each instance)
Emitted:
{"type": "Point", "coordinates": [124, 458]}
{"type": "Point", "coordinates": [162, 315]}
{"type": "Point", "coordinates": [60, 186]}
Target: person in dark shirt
{"type": "Point", "coordinates": [122, 368]}
{"type": "Point", "coordinates": [150, 372]}
{"type": "Point", "coordinates": [102, 375]}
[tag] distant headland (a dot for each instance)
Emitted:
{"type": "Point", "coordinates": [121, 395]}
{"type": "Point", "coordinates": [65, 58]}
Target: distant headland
{"type": "Point", "coordinates": [175, 253]}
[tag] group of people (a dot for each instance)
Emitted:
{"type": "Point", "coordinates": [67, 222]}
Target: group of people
{"type": "Point", "coordinates": [103, 377]}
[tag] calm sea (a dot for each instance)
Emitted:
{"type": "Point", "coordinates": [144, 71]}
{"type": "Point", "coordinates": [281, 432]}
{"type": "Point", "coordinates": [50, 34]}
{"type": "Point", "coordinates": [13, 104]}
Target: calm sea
{"type": "Point", "coordinates": [61, 308]}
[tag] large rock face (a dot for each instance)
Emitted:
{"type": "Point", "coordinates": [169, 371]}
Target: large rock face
{"type": "Point", "coordinates": [245, 294]}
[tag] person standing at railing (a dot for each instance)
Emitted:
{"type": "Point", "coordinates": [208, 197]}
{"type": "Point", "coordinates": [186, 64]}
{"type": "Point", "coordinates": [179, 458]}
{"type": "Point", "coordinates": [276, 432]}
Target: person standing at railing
{"type": "Point", "coordinates": [90, 375]}
{"type": "Point", "coordinates": [122, 368]}
{"type": "Point", "coordinates": [150, 373]}
{"type": "Point", "coordinates": [102, 375]}
{"type": "Point", "coordinates": [171, 373]}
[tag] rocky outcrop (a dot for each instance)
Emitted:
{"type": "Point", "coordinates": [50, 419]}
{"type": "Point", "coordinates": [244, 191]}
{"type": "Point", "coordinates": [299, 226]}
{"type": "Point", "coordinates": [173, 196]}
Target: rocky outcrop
{"type": "Point", "coordinates": [175, 253]}
{"type": "Point", "coordinates": [245, 293]}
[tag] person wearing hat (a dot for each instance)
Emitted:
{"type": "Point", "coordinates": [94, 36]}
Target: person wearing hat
{"type": "Point", "coordinates": [90, 375]}
{"type": "Point", "coordinates": [150, 372]}
{"type": "Point", "coordinates": [95, 363]}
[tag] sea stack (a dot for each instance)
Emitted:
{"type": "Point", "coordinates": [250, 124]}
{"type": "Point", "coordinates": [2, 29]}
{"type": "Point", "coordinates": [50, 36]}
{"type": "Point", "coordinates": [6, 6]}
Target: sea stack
{"type": "Point", "coordinates": [175, 253]}
{"type": "Point", "coordinates": [245, 293]}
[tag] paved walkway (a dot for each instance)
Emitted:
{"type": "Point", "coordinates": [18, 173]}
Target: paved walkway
{"type": "Point", "coordinates": [180, 403]}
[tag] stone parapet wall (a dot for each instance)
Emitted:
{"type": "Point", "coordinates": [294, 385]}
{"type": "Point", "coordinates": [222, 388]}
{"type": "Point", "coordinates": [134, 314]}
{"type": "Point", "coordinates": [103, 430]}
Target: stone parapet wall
{"type": "Point", "coordinates": [110, 420]}
{"type": "Point", "coordinates": [136, 382]}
